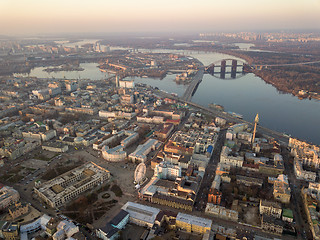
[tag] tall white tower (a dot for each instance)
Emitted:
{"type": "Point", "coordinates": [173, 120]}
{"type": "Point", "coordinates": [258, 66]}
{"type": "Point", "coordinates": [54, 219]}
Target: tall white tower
{"type": "Point", "coordinates": [256, 121]}
{"type": "Point", "coordinates": [117, 81]}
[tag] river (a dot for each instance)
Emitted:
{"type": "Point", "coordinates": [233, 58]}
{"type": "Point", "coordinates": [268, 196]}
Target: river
{"type": "Point", "coordinates": [246, 95]}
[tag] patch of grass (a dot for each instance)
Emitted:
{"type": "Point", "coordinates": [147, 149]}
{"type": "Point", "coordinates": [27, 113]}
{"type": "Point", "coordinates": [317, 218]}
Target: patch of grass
{"type": "Point", "coordinates": [117, 190]}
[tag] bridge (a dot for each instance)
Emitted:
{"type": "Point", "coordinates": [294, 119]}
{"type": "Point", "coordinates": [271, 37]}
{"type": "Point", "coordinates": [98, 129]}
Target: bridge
{"type": "Point", "coordinates": [197, 78]}
{"type": "Point", "coordinates": [221, 68]}
{"type": "Point", "coordinates": [263, 66]}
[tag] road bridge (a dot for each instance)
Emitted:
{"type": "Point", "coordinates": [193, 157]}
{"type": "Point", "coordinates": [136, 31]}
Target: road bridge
{"type": "Point", "coordinates": [197, 78]}
{"type": "Point", "coordinates": [263, 66]}
{"type": "Point", "coordinates": [225, 67]}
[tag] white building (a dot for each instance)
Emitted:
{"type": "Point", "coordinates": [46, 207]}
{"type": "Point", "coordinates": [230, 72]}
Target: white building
{"type": "Point", "coordinates": [167, 171]}
{"type": "Point", "coordinates": [303, 174]}
{"type": "Point", "coordinates": [270, 208]}
{"type": "Point", "coordinates": [69, 185]}
{"type": "Point", "coordinates": [71, 86]}
{"type": "Point", "coordinates": [221, 212]}
{"type": "Point", "coordinates": [68, 227]}
{"type": "Point", "coordinates": [220, 121]}
{"type": "Point", "coordinates": [141, 215]}
{"type": "Point", "coordinates": [38, 135]}
{"type": "Point", "coordinates": [245, 136]}
{"type": "Point", "coordinates": [140, 154]}
{"type": "Point", "coordinates": [132, 137]}
{"type": "Point", "coordinates": [281, 189]}
{"type": "Point", "coordinates": [191, 223]}
{"type": "Point", "coordinates": [227, 158]}
{"type": "Point", "coordinates": [126, 83]}
{"type": "Point", "coordinates": [107, 114]}
{"type": "Point", "coordinates": [116, 154]}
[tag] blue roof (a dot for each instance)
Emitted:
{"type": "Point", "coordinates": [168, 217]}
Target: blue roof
{"type": "Point", "coordinates": [210, 149]}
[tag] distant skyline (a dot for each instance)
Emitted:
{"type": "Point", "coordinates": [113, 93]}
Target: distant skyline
{"type": "Point", "coordinates": [20, 17]}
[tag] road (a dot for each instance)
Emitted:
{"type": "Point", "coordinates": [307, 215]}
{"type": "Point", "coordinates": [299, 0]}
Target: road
{"type": "Point", "coordinates": [263, 130]}
{"type": "Point", "coordinates": [193, 85]}
{"type": "Point", "coordinates": [202, 196]}
{"type": "Point", "coordinates": [296, 203]}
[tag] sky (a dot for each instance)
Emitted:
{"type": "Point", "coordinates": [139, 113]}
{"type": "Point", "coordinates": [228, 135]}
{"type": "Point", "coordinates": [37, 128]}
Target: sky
{"type": "Point", "coordinates": [20, 17]}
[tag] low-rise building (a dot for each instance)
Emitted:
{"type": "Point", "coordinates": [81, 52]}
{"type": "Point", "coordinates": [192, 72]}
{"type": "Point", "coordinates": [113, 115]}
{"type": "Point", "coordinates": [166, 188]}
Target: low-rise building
{"type": "Point", "coordinates": [221, 212]}
{"type": "Point", "coordinates": [281, 189]}
{"type": "Point", "coordinates": [270, 208]}
{"type": "Point", "coordinates": [301, 173]}
{"type": "Point", "coordinates": [10, 231]}
{"type": "Point", "coordinates": [111, 230]}
{"type": "Point", "coordinates": [65, 229]}
{"type": "Point", "coordinates": [141, 215]}
{"type": "Point", "coordinates": [69, 185]}
{"type": "Point", "coordinates": [120, 220]}
{"type": "Point", "coordinates": [271, 224]}
{"type": "Point", "coordinates": [192, 223]}
{"type": "Point", "coordinates": [177, 202]}
{"type": "Point", "coordinates": [142, 151]}
{"type": "Point", "coordinates": [107, 232]}
{"type": "Point", "coordinates": [164, 130]}
{"type": "Point", "coordinates": [287, 215]}
{"type": "Point", "coordinates": [226, 157]}
{"type": "Point", "coordinates": [8, 196]}
{"type": "Point", "coordinates": [314, 190]}
{"type": "Point", "coordinates": [249, 181]}
{"type": "Point", "coordinates": [116, 154]}
{"type": "Point", "coordinates": [167, 171]}
{"type": "Point", "coordinates": [18, 209]}
{"type": "Point", "coordinates": [55, 147]}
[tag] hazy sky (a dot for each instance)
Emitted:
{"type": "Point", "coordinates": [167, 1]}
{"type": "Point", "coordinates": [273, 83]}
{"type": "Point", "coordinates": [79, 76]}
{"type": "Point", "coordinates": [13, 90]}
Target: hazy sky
{"type": "Point", "coordinates": [50, 16]}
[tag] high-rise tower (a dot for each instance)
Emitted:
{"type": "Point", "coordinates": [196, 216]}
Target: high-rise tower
{"type": "Point", "coordinates": [117, 81]}
{"type": "Point", "coordinates": [256, 121]}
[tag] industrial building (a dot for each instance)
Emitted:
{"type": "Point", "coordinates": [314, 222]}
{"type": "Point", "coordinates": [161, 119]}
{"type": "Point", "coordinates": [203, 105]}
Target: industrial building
{"type": "Point", "coordinates": [69, 185]}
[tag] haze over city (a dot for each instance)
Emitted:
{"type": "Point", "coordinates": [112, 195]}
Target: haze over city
{"type": "Point", "coordinates": [58, 16]}
{"type": "Point", "coordinates": [159, 120]}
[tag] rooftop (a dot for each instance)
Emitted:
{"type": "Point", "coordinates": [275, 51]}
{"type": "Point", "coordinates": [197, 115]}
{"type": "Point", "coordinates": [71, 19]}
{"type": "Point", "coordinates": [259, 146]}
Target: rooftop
{"type": "Point", "coordinates": [141, 212]}
{"type": "Point", "coordinates": [190, 219]}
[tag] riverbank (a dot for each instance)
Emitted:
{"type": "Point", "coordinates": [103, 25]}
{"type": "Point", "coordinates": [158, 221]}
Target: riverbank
{"type": "Point", "coordinates": [285, 84]}
{"type": "Point", "coordinates": [301, 81]}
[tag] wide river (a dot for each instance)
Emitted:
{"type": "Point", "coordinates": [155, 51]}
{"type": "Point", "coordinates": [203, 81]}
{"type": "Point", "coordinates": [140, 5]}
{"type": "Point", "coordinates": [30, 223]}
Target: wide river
{"type": "Point", "coordinates": [247, 95]}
